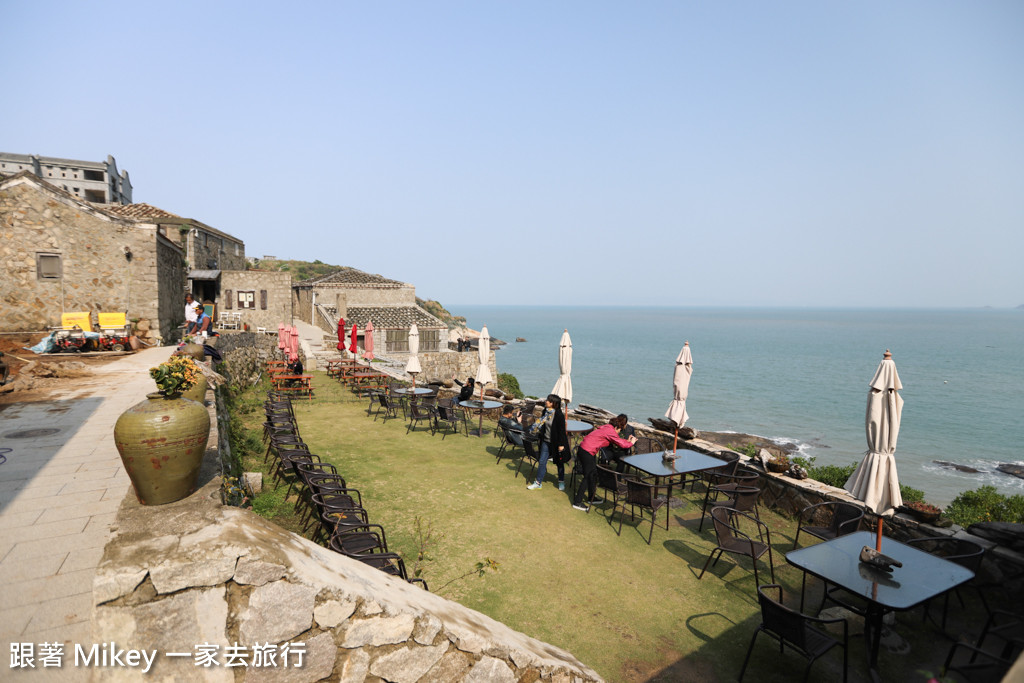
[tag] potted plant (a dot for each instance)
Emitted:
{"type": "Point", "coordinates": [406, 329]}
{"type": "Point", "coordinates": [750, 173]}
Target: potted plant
{"type": "Point", "coordinates": [779, 463]}
{"type": "Point", "coordinates": [922, 512]}
{"type": "Point", "coordinates": [162, 440]}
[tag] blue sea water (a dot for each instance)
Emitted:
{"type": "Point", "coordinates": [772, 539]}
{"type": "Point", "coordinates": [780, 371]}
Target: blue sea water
{"type": "Point", "coordinates": [797, 375]}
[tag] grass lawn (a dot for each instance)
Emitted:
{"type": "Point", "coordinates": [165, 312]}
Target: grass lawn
{"type": "Point", "coordinates": [631, 611]}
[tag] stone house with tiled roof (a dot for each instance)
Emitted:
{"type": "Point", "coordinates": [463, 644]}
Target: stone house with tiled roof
{"type": "Point", "coordinates": [61, 254]}
{"type": "Point", "coordinates": [209, 252]}
{"type": "Point", "coordinates": [359, 297]}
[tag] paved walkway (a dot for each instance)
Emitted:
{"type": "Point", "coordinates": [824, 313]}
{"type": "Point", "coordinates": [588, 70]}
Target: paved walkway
{"type": "Point", "coordinates": [59, 492]}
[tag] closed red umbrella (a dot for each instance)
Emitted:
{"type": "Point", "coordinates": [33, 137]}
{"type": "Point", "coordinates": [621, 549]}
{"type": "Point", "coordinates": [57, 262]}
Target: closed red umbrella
{"type": "Point", "coordinates": [368, 341]}
{"type": "Point", "coordinates": [352, 347]}
{"type": "Point", "coordinates": [295, 343]}
{"type": "Point", "coordinates": [280, 336]}
{"type": "Point", "coordinates": [341, 334]}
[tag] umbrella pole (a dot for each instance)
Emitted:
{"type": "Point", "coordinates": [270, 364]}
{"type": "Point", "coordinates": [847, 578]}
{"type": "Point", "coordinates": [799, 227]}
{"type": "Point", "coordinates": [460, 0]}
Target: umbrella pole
{"type": "Point", "coordinates": [878, 539]}
{"type": "Point", "coordinates": [480, 425]}
{"type": "Point", "coordinates": [675, 441]}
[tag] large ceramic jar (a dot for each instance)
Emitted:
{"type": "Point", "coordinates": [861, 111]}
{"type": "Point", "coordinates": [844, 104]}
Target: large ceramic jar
{"type": "Point", "coordinates": [196, 351]}
{"type": "Point", "coordinates": [162, 441]}
{"type": "Point", "coordinates": [198, 390]}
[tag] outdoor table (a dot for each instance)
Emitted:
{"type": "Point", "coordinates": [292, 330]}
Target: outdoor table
{"type": "Point", "coordinates": [685, 462]}
{"type": "Point", "coordinates": [412, 391]}
{"type": "Point", "coordinates": [293, 383]}
{"type": "Point", "coordinates": [476, 404]}
{"type": "Point", "coordinates": [577, 428]}
{"type": "Point", "coordinates": [922, 577]}
{"type": "Point", "coordinates": [335, 367]}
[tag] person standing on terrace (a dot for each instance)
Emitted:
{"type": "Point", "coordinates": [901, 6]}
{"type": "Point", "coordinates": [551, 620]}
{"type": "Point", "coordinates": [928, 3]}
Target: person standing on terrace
{"type": "Point", "coordinates": [190, 314]}
{"type": "Point", "coordinates": [554, 441]}
{"type": "Point", "coordinates": [586, 456]}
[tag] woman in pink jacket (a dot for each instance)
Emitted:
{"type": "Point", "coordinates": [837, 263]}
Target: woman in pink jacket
{"type": "Point", "coordinates": [586, 456]}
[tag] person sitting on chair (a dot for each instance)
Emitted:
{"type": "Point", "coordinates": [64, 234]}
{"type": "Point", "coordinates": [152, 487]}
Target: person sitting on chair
{"type": "Point", "coordinates": [295, 368]}
{"type": "Point", "coordinates": [203, 325]}
{"type": "Point", "coordinates": [466, 392]}
{"type": "Point", "coordinates": [510, 421]}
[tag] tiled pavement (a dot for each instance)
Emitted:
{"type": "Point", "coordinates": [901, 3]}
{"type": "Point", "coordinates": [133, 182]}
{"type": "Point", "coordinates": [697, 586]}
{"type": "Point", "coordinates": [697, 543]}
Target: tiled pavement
{"type": "Point", "coordinates": [59, 492]}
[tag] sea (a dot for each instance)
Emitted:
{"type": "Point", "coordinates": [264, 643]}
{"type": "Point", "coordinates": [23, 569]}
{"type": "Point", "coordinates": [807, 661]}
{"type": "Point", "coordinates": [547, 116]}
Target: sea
{"type": "Point", "coordinates": [797, 376]}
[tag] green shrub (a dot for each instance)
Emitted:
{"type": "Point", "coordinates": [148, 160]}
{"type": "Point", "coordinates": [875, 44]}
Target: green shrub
{"type": "Point", "coordinates": [509, 384]}
{"type": "Point", "coordinates": [911, 495]}
{"type": "Point", "coordinates": [833, 475]}
{"type": "Point", "coordinates": [985, 505]}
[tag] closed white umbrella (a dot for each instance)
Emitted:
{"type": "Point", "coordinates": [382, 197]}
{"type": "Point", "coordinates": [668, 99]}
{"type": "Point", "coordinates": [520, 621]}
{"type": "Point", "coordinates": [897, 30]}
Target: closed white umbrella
{"type": "Point", "coordinates": [875, 481]}
{"type": "Point", "coordinates": [680, 390]}
{"type": "Point", "coordinates": [483, 371]}
{"type": "Point", "coordinates": [563, 387]}
{"type": "Point", "coordinates": [413, 366]}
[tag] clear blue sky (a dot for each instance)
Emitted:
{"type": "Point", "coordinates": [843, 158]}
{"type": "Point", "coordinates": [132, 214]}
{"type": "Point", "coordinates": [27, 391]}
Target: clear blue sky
{"type": "Point", "coordinates": [676, 153]}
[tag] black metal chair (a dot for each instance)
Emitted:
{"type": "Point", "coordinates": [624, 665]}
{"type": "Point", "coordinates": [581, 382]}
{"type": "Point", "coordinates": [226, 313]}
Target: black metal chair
{"type": "Point", "coordinates": [385, 406]}
{"type": "Point", "coordinates": [509, 444]}
{"type": "Point", "coordinates": [725, 483]}
{"type": "Point", "coordinates": [451, 415]}
{"type": "Point", "coordinates": [613, 484]}
{"type": "Point", "coordinates": [418, 412]}
{"type": "Point", "coordinates": [640, 494]}
{"type": "Point", "coordinates": [795, 630]}
{"type": "Point", "coordinates": [845, 519]}
{"type": "Point", "coordinates": [960, 550]}
{"type": "Point", "coordinates": [732, 540]}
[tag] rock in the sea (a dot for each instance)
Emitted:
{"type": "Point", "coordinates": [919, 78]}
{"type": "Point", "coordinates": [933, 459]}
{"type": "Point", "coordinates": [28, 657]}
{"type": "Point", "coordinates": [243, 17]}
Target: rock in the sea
{"type": "Point", "coordinates": [954, 466]}
{"type": "Point", "coordinates": [1015, 470]}
{"type": "Point", "coordinates": [520, 339]}
{"type": "Point", "coordinates": [1006, 534]}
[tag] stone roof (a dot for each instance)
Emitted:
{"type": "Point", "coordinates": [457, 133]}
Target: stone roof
{"type": "Point", "coordinates": [352, 276]}
{"type": "Point", "coordinates": [138, 211]}
{"type": "Point", "coordinates": [399, 317]}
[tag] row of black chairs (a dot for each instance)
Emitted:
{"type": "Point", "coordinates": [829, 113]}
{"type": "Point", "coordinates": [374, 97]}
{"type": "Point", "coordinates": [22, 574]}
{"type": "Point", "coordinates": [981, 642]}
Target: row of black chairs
{"type": "Point", "coordinates": [437, 413]}
{"type": "Point", "coordinates": [334, 511]}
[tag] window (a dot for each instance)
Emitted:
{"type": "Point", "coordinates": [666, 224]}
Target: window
{"type": "Point", "coordinates": [397, 341]}
{"type": "Point", "coordinates": [93, 175]}
{"type": "Point", "coordinates": [430, 341]}
{"type": "Point", "coordinates": [247, 299]}
{"type": "Point", "coordinates": [48, 266]}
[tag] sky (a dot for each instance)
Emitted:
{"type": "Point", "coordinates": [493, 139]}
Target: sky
{"type": "Point", "coordinates": [810, 154]}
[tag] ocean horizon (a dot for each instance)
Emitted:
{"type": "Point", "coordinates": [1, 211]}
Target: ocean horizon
{"type": "Point", "coordinates": [795, 375]}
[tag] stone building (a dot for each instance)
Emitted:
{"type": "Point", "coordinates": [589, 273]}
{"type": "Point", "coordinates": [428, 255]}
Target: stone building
{"type": "Point", "coordinates": [59, 253]}
{"type": "Point", "coordinates": [90, 181]}
{"type": "Point", "coordinates": [208, 252]}
{"type": "Point", "coordinates": [261, 298]}
{"type": "Point", "coordinates": [359, 297]}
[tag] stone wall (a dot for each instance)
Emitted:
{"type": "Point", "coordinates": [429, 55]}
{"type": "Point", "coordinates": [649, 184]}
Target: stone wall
{"type": "Point", "coordinates": [245, 353]}
{"type": "Point", "coordinates": [447, 364]}
{"type": "Point", "coordinates": [205, 245]}
{"type": "Point", "coordinates": [96, 274]}
{"type": "Point", "coordinates": [272, 286]}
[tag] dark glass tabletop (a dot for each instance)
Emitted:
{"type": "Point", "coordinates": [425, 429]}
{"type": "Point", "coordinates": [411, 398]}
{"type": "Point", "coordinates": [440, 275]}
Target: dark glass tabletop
{"type": "Point", "coordinates": [416, 391]}
{"type": "Point", "coordinates": [921, 577]}
{"type": "Point", "coordinates": [578, 426]}
{"type": "Point", "coordinates": [686, 461]}
{"type": "Point", "coordinates": [477, 404]}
